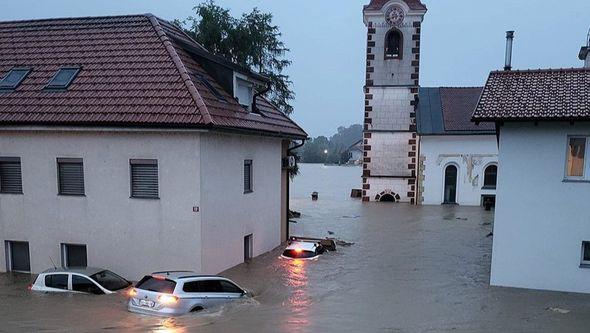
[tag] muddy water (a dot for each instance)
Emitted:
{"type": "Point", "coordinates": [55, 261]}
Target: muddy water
{"type": "Point", "coordinates": [411, 269]}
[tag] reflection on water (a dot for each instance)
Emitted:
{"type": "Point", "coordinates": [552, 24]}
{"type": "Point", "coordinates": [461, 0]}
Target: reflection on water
{"type": "Point", "coordinates": [410, 270]}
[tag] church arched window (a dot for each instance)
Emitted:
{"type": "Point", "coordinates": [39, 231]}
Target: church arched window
{"type": "Point", "coordinates": [490, 177]}
{"type": "Point", "coordinates": [393, 44]}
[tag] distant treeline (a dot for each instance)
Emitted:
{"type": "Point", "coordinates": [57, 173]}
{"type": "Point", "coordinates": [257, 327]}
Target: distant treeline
{"type": "Point", "coordinates": [332, 150]}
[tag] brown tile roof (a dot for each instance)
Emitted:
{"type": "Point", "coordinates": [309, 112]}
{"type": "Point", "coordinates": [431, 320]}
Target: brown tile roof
{"type": "Point", "coordinates": [136, 71]}
{"type": "Point", "coordinates": [448, 110]}
{"type": "Point", "coordinates": [413, 4]}
{"type": "Point", "coordinates": [548, 94]}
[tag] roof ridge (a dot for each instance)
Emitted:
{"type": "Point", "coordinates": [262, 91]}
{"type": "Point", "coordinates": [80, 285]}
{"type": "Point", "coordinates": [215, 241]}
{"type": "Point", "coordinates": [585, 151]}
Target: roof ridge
{"type": "Point", "coordinates": [542, 70]}
{"type": "Point", "coordinates": [201, 106]}
{"type": "Point", "coordinates": [76, 18]}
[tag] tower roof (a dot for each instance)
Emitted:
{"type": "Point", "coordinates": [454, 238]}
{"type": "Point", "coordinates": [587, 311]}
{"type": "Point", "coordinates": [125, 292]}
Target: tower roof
{"type": "Point", "coordinates": [413, 4]}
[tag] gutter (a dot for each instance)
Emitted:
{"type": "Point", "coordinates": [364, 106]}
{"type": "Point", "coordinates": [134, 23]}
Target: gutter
{"type": "Point", "coordinates": [255, 106]}
{"type": "Point", "coordinates": [289, 150]}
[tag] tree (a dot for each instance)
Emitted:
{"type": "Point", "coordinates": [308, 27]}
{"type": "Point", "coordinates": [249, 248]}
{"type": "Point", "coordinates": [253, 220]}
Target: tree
{"type": "Point", "coordinates": [251, 41]}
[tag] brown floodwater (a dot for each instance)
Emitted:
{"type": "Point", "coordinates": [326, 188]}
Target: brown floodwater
{"type": "Point", "coordinates": [410, 269]}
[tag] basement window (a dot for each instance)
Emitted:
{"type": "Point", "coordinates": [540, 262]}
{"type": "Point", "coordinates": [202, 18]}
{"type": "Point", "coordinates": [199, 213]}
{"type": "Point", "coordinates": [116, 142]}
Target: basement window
{"type": "Point", "coordinates": [14, 78]}
{"type": "Point", "coordinates": [585, 262]}
{"type": "Point", "coordinates": [63, 78]}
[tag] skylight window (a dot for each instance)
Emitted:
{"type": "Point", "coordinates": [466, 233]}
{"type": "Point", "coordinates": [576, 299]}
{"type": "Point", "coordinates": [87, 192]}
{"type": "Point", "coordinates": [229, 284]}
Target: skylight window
{"type": "Point", "coordinates": [63, 78]}
{"type": "Point", "coordinates": [211, 88]}
{"type": "Point", "coordinates": [14, 77]}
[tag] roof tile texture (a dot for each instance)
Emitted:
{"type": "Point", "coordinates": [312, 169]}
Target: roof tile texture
{"type": "Point", "coordinates": [550, 94]}
{"type": "Point", "coordinates": [128, 77]}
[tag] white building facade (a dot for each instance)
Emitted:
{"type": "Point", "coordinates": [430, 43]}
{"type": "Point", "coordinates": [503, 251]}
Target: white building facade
{"type": "Point", "coordinates": [541, 230]}
{"type": "Point", "coordinates": [111, 171]}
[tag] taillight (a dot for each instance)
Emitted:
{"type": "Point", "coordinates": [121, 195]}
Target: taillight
{"type": "Point", "coordinates": [30, 287]}
{"type": "Point", "coordinates": [132, 292]}
{"type": "Point", "coordinates": [167, 299]}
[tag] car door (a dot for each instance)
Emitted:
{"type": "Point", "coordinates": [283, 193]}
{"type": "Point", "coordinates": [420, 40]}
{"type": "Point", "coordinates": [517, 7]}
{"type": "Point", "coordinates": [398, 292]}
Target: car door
{"type": "Point", "coordinates": [82, 284]}
{"type": "Point", "coordinates": [209, 293]}
{"type": "Point", "coordinates": [57, 282]}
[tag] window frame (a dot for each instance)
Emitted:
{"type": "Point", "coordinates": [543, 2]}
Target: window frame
{"type": "Point", "coordinates": [13, 87]}
{"type": "Point", "coordinates": [400, 56]}
{"type": "Point", "coordinates": [64, 254]}
{"type": "Point", "coordinates": [586, 167]}
{"type": "Point", "coordinates": [51, 275]}
{"type": "Point", "coordinates": [6, 159]}
{"type": "Point", "coordinates": [53, 87]}
{"type": "Point", "coordinates": [67, 160]}
{"type": "Point", "coordinates": [584, 263]}
{"type": "Point", "coordinates": [489, 187]}
{"type": "Point", "coordinates": [249, 189]}
{"type": "Point", "coordinates": [143, 162]}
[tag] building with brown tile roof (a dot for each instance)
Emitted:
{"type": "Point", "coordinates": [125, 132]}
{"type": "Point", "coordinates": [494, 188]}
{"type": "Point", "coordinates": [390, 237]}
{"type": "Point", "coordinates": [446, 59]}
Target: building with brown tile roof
{"type": "Point", "coordinates": [125, 144]}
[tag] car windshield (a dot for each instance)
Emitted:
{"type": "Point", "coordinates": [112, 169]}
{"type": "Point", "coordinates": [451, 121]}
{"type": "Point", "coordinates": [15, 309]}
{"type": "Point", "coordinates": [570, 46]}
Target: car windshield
{"type": "Point", "coordinates": [292, 253]}
{"type": "Point", "coordinates": [157, 284]}
{"type": "Point", "coordinates": [110, 280]}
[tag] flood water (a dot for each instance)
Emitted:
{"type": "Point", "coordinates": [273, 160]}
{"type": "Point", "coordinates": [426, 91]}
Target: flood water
{"type": "Point", "coordinates": [410, 269]}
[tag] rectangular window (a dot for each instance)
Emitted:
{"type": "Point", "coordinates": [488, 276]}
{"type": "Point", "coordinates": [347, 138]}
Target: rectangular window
{"type": "Point", "coordinates": [13, 78]}
{"type": "Point", "coordinates": [576, 151]}
{"type": "Point", "coordinates": [73, 255]}
{"type": "Point", "coordinates": [144, 179]}
{"type": "Point", "coordinates": [248, 248]}
{"type": "Point", "coordinates": [10, 175]}
{"type": "Point", "coordinates": [585, 262]}
{"type": "Point", "coordinates": [57, 281]}
{"type": "Point", "coordinates": [248, 176]}
{"type": "Point", "coordinates": [244, 92]}
{"type": "Point", "coordinates": [18, 257]}
{"type": "Point", "coordinates": [70, 175]}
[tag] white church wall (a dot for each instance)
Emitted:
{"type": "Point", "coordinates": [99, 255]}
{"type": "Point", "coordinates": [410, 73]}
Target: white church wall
{"type": "Point", "coordinates": [471, 154]}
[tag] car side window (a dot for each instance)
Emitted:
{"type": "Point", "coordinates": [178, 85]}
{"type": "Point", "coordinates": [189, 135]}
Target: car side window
{"type": "Point", "coordinates": [57, 281]}
{"type": "Point", "coordinates": [204, 286]}
{"type": "Point", "coordinates": [229, 287]}
{"type": "Point", "coordinates": [82, 284]}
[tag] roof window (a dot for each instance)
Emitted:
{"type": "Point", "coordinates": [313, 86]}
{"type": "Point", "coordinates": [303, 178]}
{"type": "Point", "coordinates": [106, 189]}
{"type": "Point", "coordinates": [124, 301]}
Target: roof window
{"type": "Point", "coordinates": [63, 78]}
{"type": "Point", "coordinates": [211, 88]}
{"type": "Point", "coordinates": [14, 77]}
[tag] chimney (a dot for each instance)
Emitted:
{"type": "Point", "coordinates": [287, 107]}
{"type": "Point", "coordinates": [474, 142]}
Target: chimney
{"type": "Point", "coordinates": [585, 52]}
{"type": "Point", "coordinates": [508, 59]}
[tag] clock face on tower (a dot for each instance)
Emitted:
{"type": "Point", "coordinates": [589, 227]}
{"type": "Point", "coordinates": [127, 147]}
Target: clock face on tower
{"type": "Point", "coordinates": [395, 16]}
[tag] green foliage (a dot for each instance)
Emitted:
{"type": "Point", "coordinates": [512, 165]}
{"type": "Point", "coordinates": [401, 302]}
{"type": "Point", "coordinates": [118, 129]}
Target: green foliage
{"type": "Point", "coordinates": [332, 150]}
{"type": "Point", "coordinates": [251, 41]}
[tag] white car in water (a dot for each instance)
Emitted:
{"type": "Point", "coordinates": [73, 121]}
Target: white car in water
{"type": "Point", "coordinates": [174, 293]}
{"type": "Point", "coordinates": [89, 280]}
{"type": "Point", "coordinates": [303, 250]}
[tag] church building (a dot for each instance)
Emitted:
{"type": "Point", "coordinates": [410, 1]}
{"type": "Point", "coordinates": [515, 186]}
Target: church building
{"type": "Point", "coordinates": [420, 146]}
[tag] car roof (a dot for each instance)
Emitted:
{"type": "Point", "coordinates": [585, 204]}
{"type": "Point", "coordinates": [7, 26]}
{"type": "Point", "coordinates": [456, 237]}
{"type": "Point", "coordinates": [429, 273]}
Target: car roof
{"type": "Point", "coordinates": [80, 270]}
{"type": "Point", "coordinates": [179, 275]}
{"type": "Point", "coordinates": [306, 246]}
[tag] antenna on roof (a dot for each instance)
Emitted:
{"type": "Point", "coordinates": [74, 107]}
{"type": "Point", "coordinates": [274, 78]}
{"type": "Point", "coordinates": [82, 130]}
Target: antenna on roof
{"type": "Point", "coordinates": [52, 262]}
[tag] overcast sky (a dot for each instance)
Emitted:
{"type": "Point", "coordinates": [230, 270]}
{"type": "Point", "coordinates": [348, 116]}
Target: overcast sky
{"type": "Point", "coordinates": [462, 40]}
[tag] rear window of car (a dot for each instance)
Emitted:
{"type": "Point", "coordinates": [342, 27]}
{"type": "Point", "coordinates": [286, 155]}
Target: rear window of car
{"type": "Point", "coordinates": [110, 280]}
{"type": "Point", "coordinates": [159, 285]}
{"type": "Point", "coordinates": [211, 286]}
{"type": "Point", "coordinates": [58, 281]}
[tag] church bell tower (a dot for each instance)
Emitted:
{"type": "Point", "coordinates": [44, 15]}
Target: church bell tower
{"type": "Point", "coordinates": [391, 92]}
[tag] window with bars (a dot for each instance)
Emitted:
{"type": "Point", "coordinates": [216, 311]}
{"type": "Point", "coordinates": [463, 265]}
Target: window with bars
{"type": "Point", "coordinates": [70, 176]}
{"type": "Point", "coordinates": [10, 175]}
{"type": "Point", "coordinates": [248, 176]}
{"type": "Point", "coordinates": [144, 179]}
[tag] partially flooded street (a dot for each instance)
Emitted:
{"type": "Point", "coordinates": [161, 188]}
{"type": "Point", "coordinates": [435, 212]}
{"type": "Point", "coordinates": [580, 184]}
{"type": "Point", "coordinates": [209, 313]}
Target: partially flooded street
{"type": "Point", "coordinates": [410, 269]}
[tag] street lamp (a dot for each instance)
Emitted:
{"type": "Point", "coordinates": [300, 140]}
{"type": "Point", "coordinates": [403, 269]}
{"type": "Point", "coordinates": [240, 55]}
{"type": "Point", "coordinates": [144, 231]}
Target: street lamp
{"type": "Point", "coordinates": [325, 156]}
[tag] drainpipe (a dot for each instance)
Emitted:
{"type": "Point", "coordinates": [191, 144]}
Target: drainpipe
{"type": "Point", "coordinates": [254, 106]}
{"type": "Point", "coordinates": [289, 150]}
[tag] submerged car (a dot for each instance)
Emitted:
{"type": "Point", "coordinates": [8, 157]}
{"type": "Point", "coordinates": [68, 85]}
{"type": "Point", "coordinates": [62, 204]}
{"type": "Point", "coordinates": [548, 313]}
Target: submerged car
{"type": "Point", "coordinates": [303, 250]}
{"type": "Point", "coordinates": [175, 293]}
{"type": "Point", "coordinates": [88, 280]}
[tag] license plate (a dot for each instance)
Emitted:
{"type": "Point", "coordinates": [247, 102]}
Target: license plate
{"type": "Point", "coordinates": [144, 302]}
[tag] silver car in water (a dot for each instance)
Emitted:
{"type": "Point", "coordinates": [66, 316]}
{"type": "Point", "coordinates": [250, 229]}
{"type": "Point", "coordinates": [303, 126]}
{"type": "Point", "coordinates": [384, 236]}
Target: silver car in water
{"type": "Point", "coordinates": [174, 293]}
{"type": "Point", "coordinates": [89, 280]}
